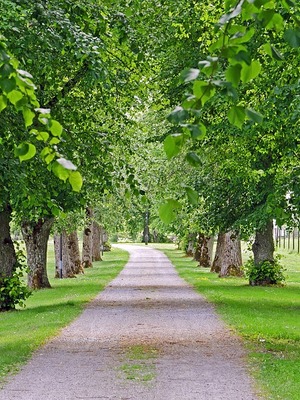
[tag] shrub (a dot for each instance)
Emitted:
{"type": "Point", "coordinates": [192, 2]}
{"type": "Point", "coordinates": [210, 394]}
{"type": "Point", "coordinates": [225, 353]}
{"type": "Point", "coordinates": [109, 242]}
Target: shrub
{"type": "Point", "coordinates": [265, 273]}
{"type": "Point", "coordinates": [12, 289]}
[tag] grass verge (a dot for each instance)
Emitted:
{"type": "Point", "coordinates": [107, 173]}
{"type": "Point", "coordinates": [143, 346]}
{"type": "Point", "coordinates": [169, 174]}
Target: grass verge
{"type": "Point", "coordinates": [267, 318]}
{"type": "Point", "coordinates": [49, 310]}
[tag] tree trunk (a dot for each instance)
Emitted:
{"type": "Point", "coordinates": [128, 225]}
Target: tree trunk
{"type": "Point", "coordinates": [155, 236]}
{"type": "Point", "coordinates": [74, 253]}
{"type": "Point", "coordinates": [36, 235]}
{"type": "Point", "coordinates": [228, 257]}
{"type": "Point", "coordinates": [97, 242]}
{"type": "Point", "coordinates": [263, 250]}
{"type": "Point", "coordinates": [8, 257]}
{"type": "Point", "coordinates": [87, 245]}
{"type": "Point", "coordinates": [190, 248]}
{"type": "Point", "coordinates": [146, 232]}
{"type": "Point", "coordinates": [204, 249]}
{"type": "Point", "coordinates": [263, 246]}
{"type": "Point", "coordinates": [61, 242]}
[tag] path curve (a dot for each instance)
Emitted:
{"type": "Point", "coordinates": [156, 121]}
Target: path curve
{"type": "Point", "coordinates": [147, 336]}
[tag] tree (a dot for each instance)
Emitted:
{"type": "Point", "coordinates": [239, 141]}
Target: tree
{"type": "Point", "coordinates": [252, 37]}
{"type": "Point", "coordinates": [204, 250]}
{"type": "Point", "coordinates": [228, 257]}
{"type": "Point", "coordinates": [74, 46]}
{"type": "Point", "coordinates": [18, 95]}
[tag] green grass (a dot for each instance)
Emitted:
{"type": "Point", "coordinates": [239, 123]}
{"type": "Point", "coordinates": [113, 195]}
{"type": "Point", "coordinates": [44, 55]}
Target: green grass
{"type": "Point", "coordinates": [48, 310]}
{"type": "Point", "coordinates": [267, 318]}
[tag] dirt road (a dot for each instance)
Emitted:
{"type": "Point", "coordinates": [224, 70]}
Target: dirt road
{"type": "Point", "coordinates": [147, 336]}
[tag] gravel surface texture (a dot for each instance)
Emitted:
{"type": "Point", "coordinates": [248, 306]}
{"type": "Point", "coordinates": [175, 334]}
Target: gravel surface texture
{"type": "Point", "coordinates": [147, 336]}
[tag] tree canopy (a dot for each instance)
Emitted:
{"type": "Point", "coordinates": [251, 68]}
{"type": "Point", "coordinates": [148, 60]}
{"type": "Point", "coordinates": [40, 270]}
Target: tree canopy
{"type": "Point", "coordinates": [193, 119]}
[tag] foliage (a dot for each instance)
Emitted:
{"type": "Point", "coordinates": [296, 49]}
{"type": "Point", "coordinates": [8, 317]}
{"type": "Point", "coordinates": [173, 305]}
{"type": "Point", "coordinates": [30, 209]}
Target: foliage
{"type": "Point", "coordinates": [18, 89]}
{"type": "Point", "coordinates": [13, 292]}
{"type": "Point", "coordinates": [238, 125]}
{"type": "Point", "coordinates": [265, 273]}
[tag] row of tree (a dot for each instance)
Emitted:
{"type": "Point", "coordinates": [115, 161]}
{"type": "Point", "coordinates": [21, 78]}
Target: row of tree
{"type": "Point", "coordinates": [82, 65]}
{"type": "Point", "coordinates": [227, 159]}
{"type": "Point", "coordinates": [237, 122]}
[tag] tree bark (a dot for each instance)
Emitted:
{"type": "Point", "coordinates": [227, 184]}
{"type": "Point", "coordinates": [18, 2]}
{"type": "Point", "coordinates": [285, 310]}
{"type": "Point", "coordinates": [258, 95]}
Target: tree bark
{"type": "Point", "coordinates": [263, 250]}
{"type": "Point", "coordinates": [36, 235]}
{"type": "Point", "coordinates": [146, 232]}
{"type": "Point", "coordinates": [190, 249]}
{"type": "Point", "coordinates": [228, 257]}
{"type": "Point", "coordinates": [74, 253]}
{"type": "Point", "coordinates": [67, 266]}
{"type": "Point", "coordinates": [97, 242]}
{"type": "Point", "coordinates": [263, 246]}
{"type": "Point", "coordinates": [87, 244]}
{"type": "Point", "coordinates": [204, 249]}
{"type": "Point", "coordinates": [8, 257]}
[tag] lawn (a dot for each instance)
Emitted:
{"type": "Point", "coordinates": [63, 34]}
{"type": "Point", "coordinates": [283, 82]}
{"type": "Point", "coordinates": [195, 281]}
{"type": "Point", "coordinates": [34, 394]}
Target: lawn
{"type": "Point", "coordinates": [267, 318]}
{"type": "Point", "coordinates": [49, 310]}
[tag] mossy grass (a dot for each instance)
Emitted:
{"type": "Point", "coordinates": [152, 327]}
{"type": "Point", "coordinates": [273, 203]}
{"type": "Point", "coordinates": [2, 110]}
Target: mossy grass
{"type": "Point", "coordinates": [138, 363]}
{"type": "Point", "coordinates": [49, 310]}
{"type": "Point", "coordinates": [267, 318]}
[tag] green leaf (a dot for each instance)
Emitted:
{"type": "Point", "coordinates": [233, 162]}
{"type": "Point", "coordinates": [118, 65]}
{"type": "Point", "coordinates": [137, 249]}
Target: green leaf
{"type": "Point", "coordinates": [233, 74]}
{"type": "Point", "coordinates": [276, 54]}
{"type": "Point", "coordinates": [75, 180]}
{"type": "Point", "coordinates": [192, 195]}
{"type": "Point", "coordinates": [203, 91]}
{"type": "Point", "coordinates": [7, 85]}
{"type": "Point", "coordinates": [61, 172]}
{"type": "Point", "coordinates": [271, 20]}
{"type": "Point", "coordinates": [54, 141]}
{"type": "Point", "coordinates": [193, 159]}
{"type": "Point", "coordinates": [251, 71]}
{"type": "Point", "coordinates": [3, 102]}
{"type": "Point", "coordinates": [178, 115]}
{"type": "Point", "coordinates": [167, 210]}
{"type": "Point", "coordinates": [292, 36]}
{"type": "Point", "coordinates": [170, 147]}
{"type": "Point", "coordinates": [234, 13]}
{"type": "Point", "coordinates": [241, 37]}
{"type": "Point", "coordinates": [254, 115]}
{"type": "Point", "coordinates": [28, 116]}
{"type": "Point", "coordinates": [242, 56]}
{"type": "Point", "coordinates": [14, 96]}
{"type": "Point", "coordinates": [272, 52]}
{"type": "Point", "coordinates": [50, 157]}
{"type": "Point", "coordinates": [5, 70]}
{"type": "Point", "coordinates": [236, 116]}
{"type": "Point", "coordinates": [197, 131]}
{"type": "Point", "coordinates": [55, 128]}
{"type": "Point", "coordinates": [25, 151]}
{"type": "Point", "coordinates": [44, 136]}
{"type": "Point", "coordinates": [267, 49]}
{"type": "Point", "coordinates": [46, 151]}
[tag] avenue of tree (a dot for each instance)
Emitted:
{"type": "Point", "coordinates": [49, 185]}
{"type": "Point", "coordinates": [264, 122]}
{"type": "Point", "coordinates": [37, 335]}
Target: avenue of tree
{"type": "Point", "coordinates": [184, 114]}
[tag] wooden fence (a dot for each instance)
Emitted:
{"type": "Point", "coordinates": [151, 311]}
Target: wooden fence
{"type": "Point", "coordinates": [287, 239]}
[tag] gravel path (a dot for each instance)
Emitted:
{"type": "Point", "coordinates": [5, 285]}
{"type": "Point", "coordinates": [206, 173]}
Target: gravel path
{"type": "Point", "coordinates": [147, 336]}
